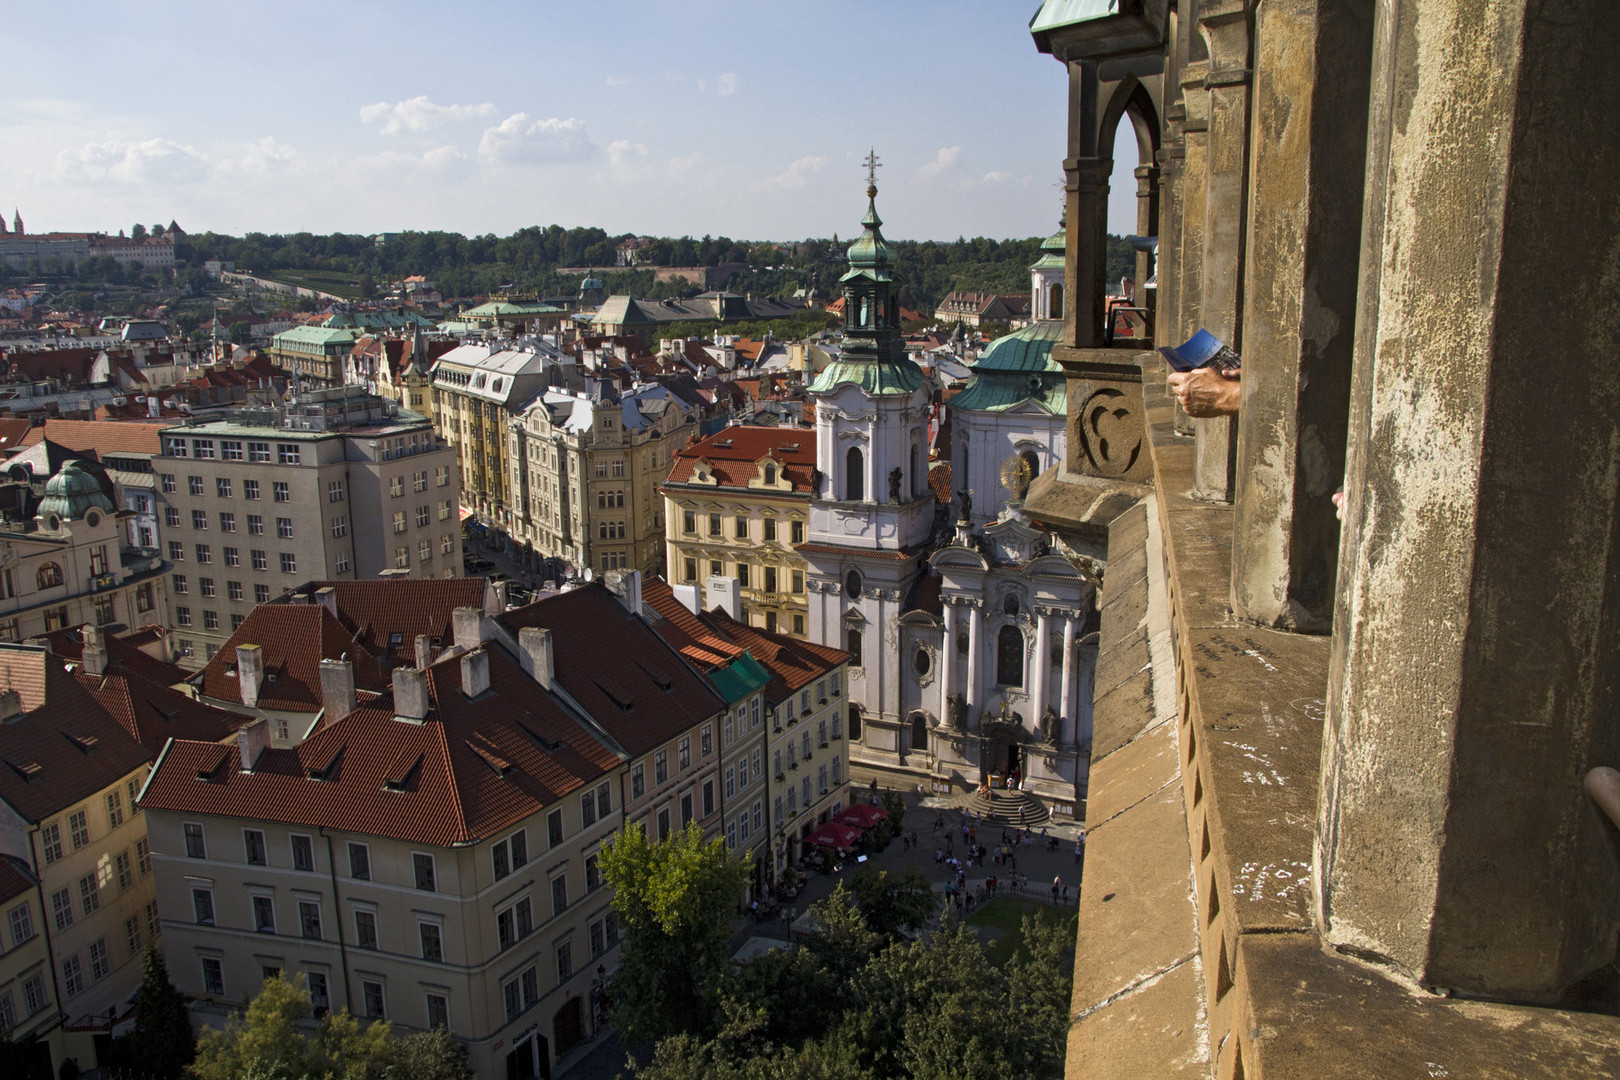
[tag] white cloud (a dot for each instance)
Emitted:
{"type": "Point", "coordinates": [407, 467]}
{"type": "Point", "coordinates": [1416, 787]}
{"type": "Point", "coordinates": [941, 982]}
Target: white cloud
{"type": "Point", "coordinates": [798, 174]}
{"type": "Point", "coordinates": [418, 114]}
{"type": "Point", "coordinates": [150, 161]}
{"type": "Point", "coordinates": [259, 158]}
{"type": "Point", "coordinates": [945, 159]}
{"type": "Point", "coordinates": [624, 155]}
{"type": "Point", "coordinates": [987, 180]}
{"type": "Point", "coordinates": [726, 84]}
{"type": "Point", "coordinates": [617, 80]}
{"type": "Point", "coordinates": [520, 140]}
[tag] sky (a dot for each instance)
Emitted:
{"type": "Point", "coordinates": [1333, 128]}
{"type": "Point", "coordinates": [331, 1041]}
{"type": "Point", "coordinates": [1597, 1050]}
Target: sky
{"type": "Point", "coordinates": [686, 117]}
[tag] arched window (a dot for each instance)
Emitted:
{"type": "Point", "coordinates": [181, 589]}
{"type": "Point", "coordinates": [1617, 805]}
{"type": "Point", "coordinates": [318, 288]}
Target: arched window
{"type": "Point", "coordinates": [1032, 469]}
{"type": "Point", "coordinates": [852, 645]}
{"type": "Point", "coordinates": [770, 474]}
{"type": "Point", "coordinates": [852, 584]}
{"type": "Point", "coordinates": [854, 722]}
{"type": "Point", "coordinates": [50, 575]}
{"type": "Point", "coordinates": [919, 732]}
{"type": "Point", "coordinates": [1056, 311]}
{"type": "Point", "coordinates": [1010, 657]}
{"type": "Point", "coordinates": [854, 475]}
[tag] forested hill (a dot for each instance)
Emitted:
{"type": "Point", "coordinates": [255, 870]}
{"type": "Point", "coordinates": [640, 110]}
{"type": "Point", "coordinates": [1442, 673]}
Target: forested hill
{"type": "Point", "coordinates": [527, 261]}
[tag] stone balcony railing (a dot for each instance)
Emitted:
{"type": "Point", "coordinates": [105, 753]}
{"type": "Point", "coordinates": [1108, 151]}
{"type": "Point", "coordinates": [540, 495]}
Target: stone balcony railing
{"type": "Point", "coordinates": [1199, 953]}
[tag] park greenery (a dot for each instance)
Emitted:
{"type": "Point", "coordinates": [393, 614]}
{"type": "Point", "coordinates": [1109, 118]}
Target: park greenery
{"type": "Point", "coordinates": [275, 1040]}
{"type": "Point", "coordinates": [870, 994]}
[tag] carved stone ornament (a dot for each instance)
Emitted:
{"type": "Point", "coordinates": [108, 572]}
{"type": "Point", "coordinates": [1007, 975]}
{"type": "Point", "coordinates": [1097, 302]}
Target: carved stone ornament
{"type": "Point", "coordinates": [1049, 725]}
{"type": "Point", "coordinates": [1110, 436]}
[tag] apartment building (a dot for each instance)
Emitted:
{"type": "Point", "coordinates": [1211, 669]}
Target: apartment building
{"type": "Point", "coordinates": [477, 390]}
{"type": "Point", "coordinates": [271, 665]}
{"type": "Point", "coordinates": [68, 561]}
{"type": "Point", "coordinates": [428, 859]}
{"type": "Point", "coordinates": [315, 354]}
{"type": "Point", "coordinates": [338, 484]}
{"type": "Point", "coordinates": [29, 1017]}
{"type": "Point", "coordinates": [800, 739]}
{"type": "Point", "coordinates": [585, 470]}
{"type": "Point", "coordinates": [655, 709]}
{"type": "Point", "coordinates": [736, 503]}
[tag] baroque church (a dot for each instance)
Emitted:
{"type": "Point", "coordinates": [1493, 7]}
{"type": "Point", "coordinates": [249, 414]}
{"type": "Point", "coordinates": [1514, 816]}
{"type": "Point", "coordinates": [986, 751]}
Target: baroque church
{"type": "Point", "coordinates": [973, 636]}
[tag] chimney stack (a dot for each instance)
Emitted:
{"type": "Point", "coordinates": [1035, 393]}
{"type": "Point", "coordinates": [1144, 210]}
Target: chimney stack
{"type": "Point", "coordinates": [688, 597]}
{"type": "Point", "coordinates": [410, 695]}
{"type": "Point", "coordinates": [726, 595]}
{"type": "Point", "coordinates": [95, 651]}
{"type": "Point", "coordinates": [251, 741]}
{"type": "Point", "coordinates": [538, 659]}
{"type": "Point", "coordinates": [626, 585]}
{"type": "Point", "coordinates": [337, 688]}
{"type": "Point", "coordinates": [474, 672]}
{"type": "Point", "coordinates": [424, 651]}
{"type": "Point", "coordinates": [326, 596]}
{"type": "Point", "coordinates": [250, 673]}
{"type": "Point", "coordinates": [468, 623]}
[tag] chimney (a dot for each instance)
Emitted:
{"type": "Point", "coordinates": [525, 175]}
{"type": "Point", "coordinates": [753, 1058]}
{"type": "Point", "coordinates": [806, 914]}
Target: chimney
{"type": "Point", "coordinates": [326, 596]}
{"type": "Point", "coordinates": [688, 597]}
{"type": "Point", "coordinates": [726, 595]}
{"type": "Point", "coordinates": [10, 705]}
{"type": "Point", "coordinates": [250, 672]}
{"type": "Point", "coordinates": [468, 624]}
{"type": "Point", "coordinates": [251, 741]}
{"type": "Point", "coordinates": [537, 658]}
{"type": "Point", "coordinates": [410, 695]}
{"type": "Point", "coordinates": [424, 651]}
{"type": "Point", "coordinates": [337, 688]}
{"type": "Point", "coordinates": [626, 585]}
{"type": "Point", "coordinates": [474, 672]}
{"type": "Point", "coordinates": [501, 596]}
{"type": "Point", "coordinates": [95, 651]}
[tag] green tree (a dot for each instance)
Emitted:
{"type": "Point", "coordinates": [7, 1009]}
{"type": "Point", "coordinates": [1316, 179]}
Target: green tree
{"type": "Point", "coordinates": [161, 1044]}
{"type": "Point", "coordinates": [428, 1055]}
{"type": "Point", "coordinates": [892, 902]}
{"type": "Point", "coordinates": [269, 1041]}
{"type": "Point", "coordinates": [673, 898]}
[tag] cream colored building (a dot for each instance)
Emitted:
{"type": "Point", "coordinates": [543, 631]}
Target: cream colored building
{"type": "Point", "coordinates": [736, 504]}
{"type": "Point", "coordinates": [477, 390]}
{"type": "Point", "coordinates": [28, 1012]}
{"type": "Point", "coordinates": [585, 469]}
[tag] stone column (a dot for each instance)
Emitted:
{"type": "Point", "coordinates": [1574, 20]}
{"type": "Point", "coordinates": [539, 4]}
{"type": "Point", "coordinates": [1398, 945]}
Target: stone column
{"type": "Point", "coordinates": [947, 663]}
{"type": "Point", "coordinates": [1067, 697]}
{"type": "Point", "coordinates": [1147, 224]}
{"type": "Point", "coordinates": [1225, 28]}
{"type": "Point", "coordinates": [1475, 673]}
{"type": "Point", "coordinates": [975, 650]}
{"type": "Point", "coordinates": [1043, 665]}
{"type": "Point", "coordinates": [1187, 246]}
{"type": "Point", "coordinates": [1309, 157]}
{"type": "Point", "coordinates": [1085, 177]}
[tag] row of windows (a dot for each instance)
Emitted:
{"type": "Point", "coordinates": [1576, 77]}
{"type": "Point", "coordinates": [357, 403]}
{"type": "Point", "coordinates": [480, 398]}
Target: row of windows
{"type": "Point", "coordinates": [740, 528]}
{"type": "Point", "coordinates": [804, 794]}
{"type": "Point", "coordinates": [231, 450]}
{"type": "Point", "coordinates": [233, 557]}
{"type": "Point", "coordinates": [227, 522]}
{"type": "Point", "coordinates": [78, 823]}
{"type": "Point", "coordinates": [224, 488]}
{"type": "Point", "coordinates": [770, 578]}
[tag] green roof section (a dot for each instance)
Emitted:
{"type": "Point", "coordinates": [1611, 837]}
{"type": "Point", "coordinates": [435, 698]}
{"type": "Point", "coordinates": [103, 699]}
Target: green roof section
{"type": "Point", "coordinates": [317, 336]}
{"type": "Point", "coordinates": [875, 378]}
{"type": "Point", "coordinates": [1052, 251]}
{"type": "Point", "coordinates": [72, 492]}
{"type": "Point", "coordinates": [1054, 14]}
{"type": "Point", "coordinates": [740, 678]}
{"type": "Point", "coordinates": [1015, 369]}
{"type": "Point", "coordinates": [510, 309]}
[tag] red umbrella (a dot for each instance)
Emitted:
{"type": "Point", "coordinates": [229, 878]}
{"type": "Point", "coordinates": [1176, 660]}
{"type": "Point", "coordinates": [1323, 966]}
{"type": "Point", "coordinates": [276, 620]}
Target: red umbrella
{"type": "Point", "coordinates": [861, 816]}
{"type": "Point", "coordinates": [834, 835]}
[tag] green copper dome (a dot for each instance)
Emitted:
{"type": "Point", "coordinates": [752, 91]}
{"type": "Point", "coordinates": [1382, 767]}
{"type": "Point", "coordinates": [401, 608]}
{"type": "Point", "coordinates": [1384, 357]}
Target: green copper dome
{"type": "Point", "coordinates": [1015, 368]}
{"type": "Point", "coordinates": [870, 255]}
{"type": "Point", "coordinates": [1052, 250]}
{"type": "Point", "coordinates": [72, 492]}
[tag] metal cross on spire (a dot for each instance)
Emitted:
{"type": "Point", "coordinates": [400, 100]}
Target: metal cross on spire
{"type": "Point", "coordinates": [872, 166]}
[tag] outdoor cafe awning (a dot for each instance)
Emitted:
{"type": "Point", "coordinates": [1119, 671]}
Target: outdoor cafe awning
{"type": "Point", "coordinates": [861, 816]}
{"type": "Point", "coordinates": [834, 835]}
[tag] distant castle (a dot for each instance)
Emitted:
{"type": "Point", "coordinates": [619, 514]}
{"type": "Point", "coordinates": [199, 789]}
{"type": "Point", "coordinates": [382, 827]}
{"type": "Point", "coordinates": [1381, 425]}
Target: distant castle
{"type": "Point", "coordinates": [19, 249]}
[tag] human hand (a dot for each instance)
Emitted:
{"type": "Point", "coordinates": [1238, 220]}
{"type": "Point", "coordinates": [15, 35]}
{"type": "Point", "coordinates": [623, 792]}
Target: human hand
{"type": "Point", "coordinates": [1207, 392]}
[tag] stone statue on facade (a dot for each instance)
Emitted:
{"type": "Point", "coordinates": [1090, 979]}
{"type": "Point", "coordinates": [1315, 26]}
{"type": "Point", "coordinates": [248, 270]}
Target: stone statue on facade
{"type": "Point", "coordinates": [1049, 725]}
{"type": "Point", "coordinates": [815, 482]}
{"type": "Point", "coordinates": [895, 477]}
{"type": "Point", "coordinates": [966, 498]}
{"type": "Point", "coordinates": [958, 712]}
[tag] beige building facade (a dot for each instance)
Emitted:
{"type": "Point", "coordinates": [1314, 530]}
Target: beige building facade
{"type": "Point", "coordinates": [338, 485]}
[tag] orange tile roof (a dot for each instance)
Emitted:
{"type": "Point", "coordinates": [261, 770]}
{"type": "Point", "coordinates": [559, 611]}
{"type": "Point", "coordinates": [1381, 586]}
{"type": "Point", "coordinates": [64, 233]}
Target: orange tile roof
{"type": "Point", "coordinates": [154, 714]}
{"type": "Point", "coordinates": [124, 654]}
{"type": "Point", "coordinates": [373, 612]}
{"type": "Point", "coordinates": [295, 639]}
{"type": "Point", "coordinates": [12, 432]}
{"type": "Point", "coordinates": [714, 639]}
{"type": "Point", "coordinates": [620, 672]}
{"type": "Point", "coordinates": [736, 464]}
{"type": "Point", "coordinates": [15, 878]}
{"type": "Point", "coordinates": [471, 770]}
{"type": "Point", "coordinates": [135, 436]}
{"type": "Point", "coordinates": [65, 747]}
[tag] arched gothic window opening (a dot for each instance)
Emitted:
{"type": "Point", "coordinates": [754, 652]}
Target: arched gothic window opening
{"type": "Point", "coordinates": [1010, 657]}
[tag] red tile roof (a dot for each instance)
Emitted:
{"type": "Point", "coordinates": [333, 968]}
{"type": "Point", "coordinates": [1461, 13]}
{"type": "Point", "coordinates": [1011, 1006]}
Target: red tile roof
{"type": "Point", "coordinates": [14, 878]}
{"type": "Point", "coordinates": [107, 436]}
{"type": "Point", "coordinates": [295, 639]}
{"type": "Point", "coordinates": [470, 771]}
{"type": "Point", "coordinates": [12, 432]}
{"type": "Point", "coordinates": [733, 454]}
{"type": "Point", "coordinates": [154, 714]}
{"type": "Point", "coordinates": [622, 673]}
{"type": "Point", "coordinates": [65, 747]}
{"type": "Point", "coordinates": [713, 639]}
{"type": "Point", "coordinates": [124, 654]}
{"type": "Point", "coordinates": [374, 611]}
